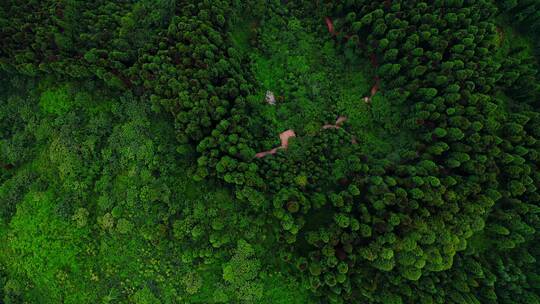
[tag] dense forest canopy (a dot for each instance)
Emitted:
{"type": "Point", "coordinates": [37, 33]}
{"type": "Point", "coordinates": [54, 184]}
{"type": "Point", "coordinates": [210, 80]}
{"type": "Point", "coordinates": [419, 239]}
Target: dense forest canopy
{"type": "Point", "coordinates": [227, 151]}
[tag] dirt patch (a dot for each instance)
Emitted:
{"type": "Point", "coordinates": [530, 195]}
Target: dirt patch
{"type": "Point", "coordinates": [284, 137]}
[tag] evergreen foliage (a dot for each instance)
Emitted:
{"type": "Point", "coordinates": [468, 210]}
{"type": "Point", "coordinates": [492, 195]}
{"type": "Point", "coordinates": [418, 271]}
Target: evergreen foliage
{"type": "Point", "coordinates": [129, 129]}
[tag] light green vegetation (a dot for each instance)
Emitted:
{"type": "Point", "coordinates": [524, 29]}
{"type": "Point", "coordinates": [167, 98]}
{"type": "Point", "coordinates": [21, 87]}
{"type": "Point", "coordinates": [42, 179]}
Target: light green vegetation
{"type": "Point", "coordinates": [96, 199]}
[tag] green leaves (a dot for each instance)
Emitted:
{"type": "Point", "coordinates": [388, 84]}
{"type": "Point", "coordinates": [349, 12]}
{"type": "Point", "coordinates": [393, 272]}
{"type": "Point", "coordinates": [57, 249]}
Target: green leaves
{"type": "Point", "coordinates": [428, 194]}
{"type": "Point", "coordinates": [56, 101]}
{"type": "Point", "coordinates": [41, 237]}
{"type": "Point", "coordinates": [242, 271]}
{"type": "Point", "coordinates": [145, 296]}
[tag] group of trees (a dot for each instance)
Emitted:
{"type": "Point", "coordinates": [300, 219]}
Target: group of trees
{"type": "Point", "coordinates": [100, 207]}
{"type": "Point", "coordinates": [434, 205]}
{"type": "Point", "coordinates": [450, 217]}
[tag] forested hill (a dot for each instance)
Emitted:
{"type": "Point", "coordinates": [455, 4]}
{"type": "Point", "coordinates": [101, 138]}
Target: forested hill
{"type": "Point", "coordinates": [228, 151]}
